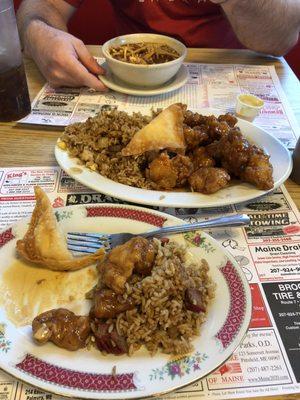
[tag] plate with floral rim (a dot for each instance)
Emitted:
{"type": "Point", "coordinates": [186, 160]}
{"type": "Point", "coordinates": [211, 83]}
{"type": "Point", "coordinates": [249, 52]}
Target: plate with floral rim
{"type": "Point", "coordinates": [236, 192]}
{"type": "Point", "coordinates": [90, 375]}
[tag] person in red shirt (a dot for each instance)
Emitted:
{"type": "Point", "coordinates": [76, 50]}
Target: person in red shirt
{"type": "Point", "coordinates": [269, 26]}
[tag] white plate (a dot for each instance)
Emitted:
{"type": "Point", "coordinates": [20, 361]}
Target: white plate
{"type": "Point", "coordinates": [238, 192]}
{"type": "Point", "coordinates": [114, 83]}
{"type": "Point", "coordinates": [87, 373]}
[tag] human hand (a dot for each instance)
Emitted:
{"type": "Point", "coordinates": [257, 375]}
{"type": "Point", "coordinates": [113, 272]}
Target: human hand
{"type": "Point", "coordinates": [62, 58]}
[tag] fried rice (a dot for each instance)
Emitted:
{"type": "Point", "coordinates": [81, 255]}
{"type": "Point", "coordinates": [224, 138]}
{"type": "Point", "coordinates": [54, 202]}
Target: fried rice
{"type": "Point", "coordinates": [160, 319]}
{"type": "Point", "coordinates": [98, 143]}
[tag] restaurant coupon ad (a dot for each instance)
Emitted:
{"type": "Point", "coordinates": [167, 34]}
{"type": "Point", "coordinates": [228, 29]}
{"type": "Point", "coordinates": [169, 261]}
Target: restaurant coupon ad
{"type": "Point", "coordinates": [267, 362]}
{"type": "Point", "coordinates": [209, 85]}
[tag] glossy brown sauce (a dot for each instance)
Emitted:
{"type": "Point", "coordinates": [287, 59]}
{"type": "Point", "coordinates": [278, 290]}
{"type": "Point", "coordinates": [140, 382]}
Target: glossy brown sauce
{"type": "Point", "coordinates": [26, 290]}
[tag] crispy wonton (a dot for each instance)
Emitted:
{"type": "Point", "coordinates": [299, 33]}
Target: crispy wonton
{"type": "Point", "coordinates": [164, 132]}
{"type": "Point", "coordinates": [45, 245]}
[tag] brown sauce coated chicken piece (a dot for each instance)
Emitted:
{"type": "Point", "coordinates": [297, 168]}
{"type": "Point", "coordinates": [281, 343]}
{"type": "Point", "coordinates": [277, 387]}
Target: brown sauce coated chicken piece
{"type": "Point", "coordinates": [162, 172]}
{"type": "Point", "coordinates": [233, 151]}
{"type": "Point", "coordinates": [229, 118]}
{"type": "Point", "coordinates": [243, 159]}
{"type": "Point", "coordinates": [137, 254]}
{"type": "Point", "coordinates": [210, 127]}
{"type": "Point", "coordinates": [201, 158]}
{"type": "Point", "coordinates": [208, 180]}
{"type": "Point", "coordinates": [108, 304]}
{"type": "Point", "coordinates": [192, 119]}
{"type": "Point", "coordinates": [62, 327]}
{"type": "Point", "coordinates": [184, 168]}
{"type": "Point", "coordinates": [147, 256]}
{"type": "Point", "coordinates": [168, 173]}
{"type": "Point", "coordinates": [258, 170]}
{"type": "Point", "coordinates": [217, 129]}
{"type": "Point", "coordinates": [195, 136]}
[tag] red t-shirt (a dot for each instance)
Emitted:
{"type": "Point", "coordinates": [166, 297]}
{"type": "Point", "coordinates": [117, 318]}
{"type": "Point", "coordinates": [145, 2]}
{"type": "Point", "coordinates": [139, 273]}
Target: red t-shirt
{"type": "Point", "coordinates": [197, 23]}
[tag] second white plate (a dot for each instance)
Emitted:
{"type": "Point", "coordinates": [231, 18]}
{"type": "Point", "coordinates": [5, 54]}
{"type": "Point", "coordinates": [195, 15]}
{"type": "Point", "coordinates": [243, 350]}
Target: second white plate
{"type": "Point", "coordinates": [237, 192]}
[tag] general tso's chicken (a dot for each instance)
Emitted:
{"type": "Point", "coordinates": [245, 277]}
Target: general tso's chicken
{"type": "Point", "coordinates": [229, 118]}
{"type": "Point", "coordinates": [232, 150]}
{"type": "Point", "coordinates": [259, 170]}
{"type": "Point", "coordinates": [162, 172]}
{"type": "Point", "coordinates": [216, 129]}
{"type": "Point", "coordinates": [168, 173]}
{"type": "Point", "coordinates": [108, 304]}
{"type": "Point", "coordinates": [108, 339]}
{"type": "Point", "coordinates": [208, 180]}
{"type": "Point", "coordinates": [192, 119]}
{"type": "Point", "coordinates": [195, 137]}
{"type": "Point", "coordinates": [62, 327]}
{"type": "Point", "coordinates": [184, 167]}
{"type": "Point", "coordinates": [137, 254]}
{"type": "Point", "coordinates": [147, 249]}
{"type": "Point", "coordinates": [243, 159]}
{"type": "Point", "coordinates": [201, 158]}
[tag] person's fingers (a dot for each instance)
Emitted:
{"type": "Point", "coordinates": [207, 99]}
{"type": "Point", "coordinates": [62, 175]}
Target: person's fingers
{"type": "Point", "coordinates": [93, 82]}
{"type": "Point", "coordinates": [87, 59]}
{"type": "Point", "coordinates": [80, 76]}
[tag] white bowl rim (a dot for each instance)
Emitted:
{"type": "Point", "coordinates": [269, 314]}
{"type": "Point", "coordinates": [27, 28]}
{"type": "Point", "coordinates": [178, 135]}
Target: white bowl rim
{"type": "Point", "coordinates": [152, 66]}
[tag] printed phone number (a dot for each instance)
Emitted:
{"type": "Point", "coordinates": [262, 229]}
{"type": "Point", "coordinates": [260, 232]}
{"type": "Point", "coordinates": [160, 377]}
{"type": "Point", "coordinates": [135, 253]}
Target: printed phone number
{"type": "Point", "coordinates": [264, 368]}
{"type": "Point", "coordinates": [285, 270]}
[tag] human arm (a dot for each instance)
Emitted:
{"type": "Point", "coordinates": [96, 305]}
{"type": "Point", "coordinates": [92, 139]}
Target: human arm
{"type": "Point", "coordinates": [62, 58]}
{"type": "Point", "coordinates": [267, 26]}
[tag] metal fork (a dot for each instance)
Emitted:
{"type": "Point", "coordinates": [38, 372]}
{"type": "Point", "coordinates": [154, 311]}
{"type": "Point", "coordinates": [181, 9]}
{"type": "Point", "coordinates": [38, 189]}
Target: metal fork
{"type": "Point", "coordinates": [90, 242]}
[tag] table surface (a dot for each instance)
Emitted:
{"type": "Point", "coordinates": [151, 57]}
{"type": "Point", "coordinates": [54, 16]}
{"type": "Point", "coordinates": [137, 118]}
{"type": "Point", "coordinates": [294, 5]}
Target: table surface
{"type": "Point", "coordinates": [33, 146]}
